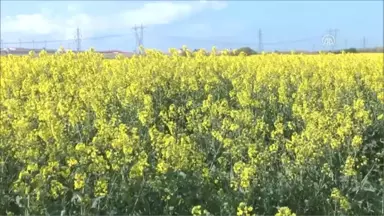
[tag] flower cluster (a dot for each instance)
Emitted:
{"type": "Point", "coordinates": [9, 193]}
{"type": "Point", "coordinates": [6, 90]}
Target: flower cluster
{"type": "Point", "coordinates": [162, 134]}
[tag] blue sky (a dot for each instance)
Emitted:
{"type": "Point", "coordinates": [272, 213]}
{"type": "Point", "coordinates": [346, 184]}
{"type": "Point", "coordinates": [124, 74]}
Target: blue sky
{"type": "Point", "coordinates": [285, 25]}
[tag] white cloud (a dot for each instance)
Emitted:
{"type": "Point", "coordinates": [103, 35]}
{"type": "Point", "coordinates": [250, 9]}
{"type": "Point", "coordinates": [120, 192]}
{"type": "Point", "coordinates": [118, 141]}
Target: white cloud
{"type": "Point", "coordinates": [157, 13]}
{"type": "Point", "coordinates": [151, 13]}
{"type": "Point", "coordinates": [39, 24]}
{"type": "Point", "coordinates": [167, 12]}
{"type": "Point", "coordinates": [216, 5]}
{"type": "Point", "coordinates": [73, 8]}
{"type": "Point", "coordinates": [31, 23]}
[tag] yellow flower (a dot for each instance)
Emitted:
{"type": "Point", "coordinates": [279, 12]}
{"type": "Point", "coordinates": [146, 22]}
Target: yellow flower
{"type": "Point", "coordinates": [357, 141]}
{"type": "Point", "coordinates": [349, 167]}
{"type": "Point", "coordinates": [284, 211]}
{"type": "Point", "coordinates": [101, 188]}
{"type": "Point", "coordinates": [339, 198]}
{"type": "Point", "coordinates": [72, 162]}
{"type": "Point", "coordinates": [196, 210]}
{"type": "Point", "coordinates": [79, 181]}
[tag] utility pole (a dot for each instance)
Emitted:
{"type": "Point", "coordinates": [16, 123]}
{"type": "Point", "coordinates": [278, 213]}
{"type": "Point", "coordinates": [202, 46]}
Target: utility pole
{"type": "Point", "coordinates": [139, 36]}
{"type": "Point", "coordinates": [33, 44]}
{"type": "Point", "coordinates": [78, 39]}
{"type": "Point", "coordinates": [260, 41]}
{"type": "Point", "coordinates": [45, 44]}
{"type": "Point", "coordinates": [364, 42]}
{"type": "Point", "coordinates": [19, 43]}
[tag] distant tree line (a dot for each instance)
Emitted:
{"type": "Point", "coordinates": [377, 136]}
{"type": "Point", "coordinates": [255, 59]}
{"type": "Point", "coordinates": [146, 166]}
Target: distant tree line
{"type": "Point", "coordinates": [366, 50]}
{"type": "Point", "coordinates": [350, 50]}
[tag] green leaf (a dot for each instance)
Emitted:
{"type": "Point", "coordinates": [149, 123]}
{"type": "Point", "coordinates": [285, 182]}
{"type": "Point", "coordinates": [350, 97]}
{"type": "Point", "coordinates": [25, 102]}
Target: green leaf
{"type": "Point", "coordinates": [380, 117]}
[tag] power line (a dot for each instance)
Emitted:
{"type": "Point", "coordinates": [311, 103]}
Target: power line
{"type": "Point", "coordinates": [139, 36]}
{"type": "Point", "coordinates": [31, 42]}
{"type": "Point", "coordinates": [293, 41]}
{"type": "Point", "coordinates": [140, 39]}
{"type": "Point", "coordinates": [232, 43]}
{"type": "Point", "coordinates": [45, 42]}
{"type": "Point", "coordinates": [104, 37]}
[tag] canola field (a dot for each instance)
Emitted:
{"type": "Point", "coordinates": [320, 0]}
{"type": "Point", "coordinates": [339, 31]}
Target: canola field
{"type": "Point", "coordinates": [241, 135]}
